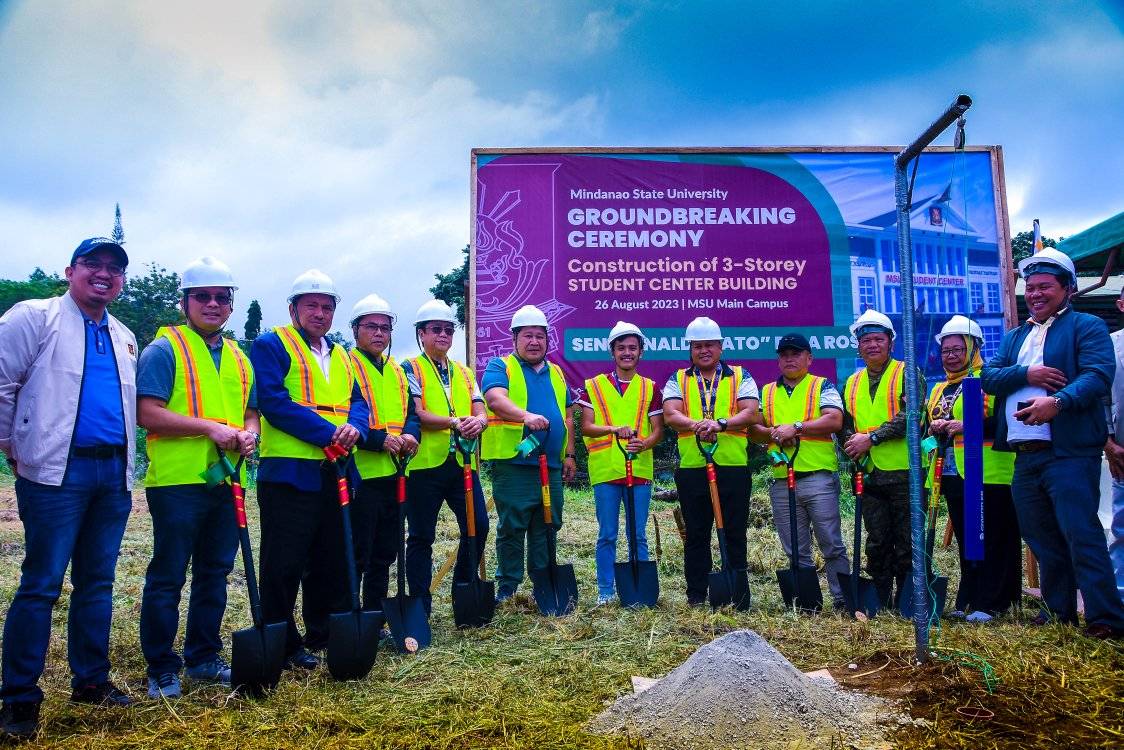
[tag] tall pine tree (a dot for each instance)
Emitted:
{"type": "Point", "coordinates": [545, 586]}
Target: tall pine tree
{"type": "Point", "coordinates": [118, 230]}
{"type": "Point", "coordinates": [253, 320]}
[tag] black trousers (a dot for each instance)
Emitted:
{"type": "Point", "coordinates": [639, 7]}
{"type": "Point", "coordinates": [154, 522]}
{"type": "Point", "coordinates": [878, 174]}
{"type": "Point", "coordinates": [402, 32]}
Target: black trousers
{"type": "Point", "coordinates": [428, 490]}
{"type": "Point", "coordinates": [301, 547]}
{"type": "Point", "coordinates": [375, 527]}
{"type": "Point", "coordinates": [993, 584]}
{"type": "Point", "coordinates": [889, 540]}
{"type": "Point", "coordinates": [734, 486]}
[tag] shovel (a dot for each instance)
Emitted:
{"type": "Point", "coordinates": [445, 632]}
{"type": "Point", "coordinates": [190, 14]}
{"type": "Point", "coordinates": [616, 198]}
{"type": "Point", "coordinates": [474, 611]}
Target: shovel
{"type": "Point", "coordinates": [800, 585]}
{"type": "Point", "coordinates": [938, 585]}
{"type": "Point", "coordinates": [353, 637]}
{"type": "Point", "coordinates": [859, 594]}
{"type": "Point", "coordinates": [554, 587]}
{"type": "Point", "coordinates": [257, 653]}
{"type": "Point", "coordinates": [474, 600]}
{"type": "Point", "coordinates": [727, 586]}
{"type": "Point", "coordinates": [409, 624]}
{"type": "Point", "coordinates": [638, 583]}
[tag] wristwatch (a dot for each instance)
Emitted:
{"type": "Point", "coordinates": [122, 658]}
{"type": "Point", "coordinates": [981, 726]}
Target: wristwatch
{"type": "Point", "coordinates": [874, 439]}
{"type": "Point", "coordinates": [722, 424]}
{"type": "Point", "coordinates": [1058, 404]}
{"type": "Point", "coordinates": [799, 427]}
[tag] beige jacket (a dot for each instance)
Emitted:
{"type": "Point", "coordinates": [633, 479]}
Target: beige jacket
{"type": "Point", "coordinates": [42, 358]}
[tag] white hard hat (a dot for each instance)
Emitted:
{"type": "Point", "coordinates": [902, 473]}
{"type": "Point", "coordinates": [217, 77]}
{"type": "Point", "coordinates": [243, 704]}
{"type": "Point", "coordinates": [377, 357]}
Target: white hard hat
{"type": "Point", "coordinates": [872, 318]}
{"type": "Point", "coordinates": [206, 271]}
{"type": "Point", "coordinates": [528, 315]}
{"type": "Point", "coordinates": [372, 304]}
{"type": "Point", "coordinates": [703, 329]}
{"type": "Point", "coordinates": [962, 325]}
{"type": "Point", "coordinates": [624, 329]}
{"type": "Point", "coordinates": [435, 309]}
{"type": "Point", "coordinates": [1049, 256]}
{"type": "Point", "coordinates": [313, 281]}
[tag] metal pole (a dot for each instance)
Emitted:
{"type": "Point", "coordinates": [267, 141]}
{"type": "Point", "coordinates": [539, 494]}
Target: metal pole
{"type": "Point", "coordinates": [912, 397]}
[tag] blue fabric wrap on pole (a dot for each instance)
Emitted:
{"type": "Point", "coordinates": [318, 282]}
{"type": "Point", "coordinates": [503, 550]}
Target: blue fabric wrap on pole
{"type": "Point", "coordinates": [972, 395]}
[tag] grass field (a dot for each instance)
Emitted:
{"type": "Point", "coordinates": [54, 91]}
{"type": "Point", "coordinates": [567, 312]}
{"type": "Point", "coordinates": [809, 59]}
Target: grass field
{"type": "Point", "coordinates": [531, 682]}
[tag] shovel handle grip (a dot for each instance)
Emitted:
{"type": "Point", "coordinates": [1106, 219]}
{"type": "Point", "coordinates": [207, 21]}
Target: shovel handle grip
{"type": "Point", "coordinates": [715, 503]}
{"type": "Point", "coordinates": [239, 504]}
{"type": "Point", "coordinates": [544, 482]}
{"type": "Point", "coordinates": [401, 490]}
{"type": "Point", "coordinates": [469, 504]}
{"type": "Point", "coordinates": [791, 477]}
{"type": "Point", "coordinates": [628, 479]}
{"type": "Point", "coordinates": [858, 481]}
{"type": "Point", "coordinates": [341, 491]}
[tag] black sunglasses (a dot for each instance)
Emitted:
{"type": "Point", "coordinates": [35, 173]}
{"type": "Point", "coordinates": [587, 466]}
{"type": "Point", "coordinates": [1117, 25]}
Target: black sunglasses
{"type": "Point", "coordinates": [204, 298]}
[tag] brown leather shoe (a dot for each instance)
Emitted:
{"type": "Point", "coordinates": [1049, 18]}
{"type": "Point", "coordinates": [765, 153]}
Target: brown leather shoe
{"type": "Point", "coordinates": [1103, 632]}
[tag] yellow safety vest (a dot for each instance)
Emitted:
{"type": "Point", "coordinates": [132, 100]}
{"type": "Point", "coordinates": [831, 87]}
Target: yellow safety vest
{"type": "Point", "coordinates": [869, 414]}
{"type": "Point", "coordinates": [436, 443]}
{"type": "Point", "coordinates": [329, 398]}
{"type": "Point", "coordinates": [731, 450]}
{"type": "Point", "coordinates": [502, 438]}
{"type": "Point", "coordinates": [998, 466]}
{"type": "Point", "coordinates": [778, 407]}
{"type": "Point", "coordinates": [386, 394]}
{"type": "Point", "coordinates": [611, 407]}
{"type": "Point", "coordinates": [198, 390]}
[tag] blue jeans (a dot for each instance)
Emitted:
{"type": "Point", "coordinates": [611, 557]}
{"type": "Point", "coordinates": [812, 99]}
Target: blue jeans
{"type": "Point", "coordinates": [190, 524]}
{"type": "Point", "coordinates": [1116, 550]}
{"type": "Point", "coordinates": [81, 521]}
{"type": "Point", "coordinates": [1056, 501]}
{"type": "Point", "coordinates": [609, 498]}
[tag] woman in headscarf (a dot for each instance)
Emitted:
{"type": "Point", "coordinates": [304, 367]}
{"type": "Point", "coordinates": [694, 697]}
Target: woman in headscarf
{"type": "Point", "coordinates": [990, 586]}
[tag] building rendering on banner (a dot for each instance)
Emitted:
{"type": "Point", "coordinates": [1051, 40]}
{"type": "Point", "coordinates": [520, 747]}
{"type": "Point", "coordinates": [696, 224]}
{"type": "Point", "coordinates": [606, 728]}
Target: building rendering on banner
{"type": "Point", "coordinates": [954, 271]}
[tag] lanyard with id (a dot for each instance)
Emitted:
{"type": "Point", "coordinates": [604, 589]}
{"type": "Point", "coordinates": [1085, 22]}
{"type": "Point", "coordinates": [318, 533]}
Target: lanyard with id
{"type": "Point", "coordinates": [447, 389]}
{"type": "Point", "coordinates": [708, 393]}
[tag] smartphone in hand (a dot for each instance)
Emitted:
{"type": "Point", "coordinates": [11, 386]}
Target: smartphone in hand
{"type": "Point", "coordinates": [1020, 406]}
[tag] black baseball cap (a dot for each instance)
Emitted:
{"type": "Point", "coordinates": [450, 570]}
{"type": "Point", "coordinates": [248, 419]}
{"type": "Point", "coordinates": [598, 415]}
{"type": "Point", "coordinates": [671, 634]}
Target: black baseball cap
{"type": "Point", "coordinates": [795, 341]}
{"type": "Point", "coordinates": [93, 244]}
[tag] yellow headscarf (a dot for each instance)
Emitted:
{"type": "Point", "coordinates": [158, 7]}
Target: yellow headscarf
{"type": "Point", "coordinates": [975, 361]}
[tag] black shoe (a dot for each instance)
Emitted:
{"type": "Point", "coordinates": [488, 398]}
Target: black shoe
{"type": "Point", "coordinates": [19, 721]}
{"type": "Point", "coordinates": [504, 593]}
{"type": "Point", "coordinates": [1103, 632]}
{"type": "Point", "coordinates": [105, 694]}
{"type": "Point", "coordinates": [301, 659]}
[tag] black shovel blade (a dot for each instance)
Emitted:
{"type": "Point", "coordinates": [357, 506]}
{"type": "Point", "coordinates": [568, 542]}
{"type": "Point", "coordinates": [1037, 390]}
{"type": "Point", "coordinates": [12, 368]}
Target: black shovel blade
{"type": "Point", "coordinates": [257, 656]}
{"type": "Point", "coordinates": [474, 602]}
{"type": "Point", "coordinates": [555, 589]}
{"type": "Point", "coordinates": [939, 586]}
{"type": "Point", "coordinates": [868, 602]}
{"type": "Point", "coordinates": [729, 587]}
{"type": "Point", "coordinates": [353, 642]}
{"type": "Point", "coordinates": [408, 622]}
{"type": "Point", "coordinates": [801, 589]}
{"type": "Point", "coordinates": [639, 587]}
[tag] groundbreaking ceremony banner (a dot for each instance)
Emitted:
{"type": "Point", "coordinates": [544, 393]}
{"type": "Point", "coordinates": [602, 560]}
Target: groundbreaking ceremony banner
{"type": "Point", "coordinates": [763, 241]}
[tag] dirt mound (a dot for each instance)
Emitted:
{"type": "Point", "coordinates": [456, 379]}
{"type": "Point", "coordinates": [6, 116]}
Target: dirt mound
{"type": "Point", "coordinates": [739, 692]}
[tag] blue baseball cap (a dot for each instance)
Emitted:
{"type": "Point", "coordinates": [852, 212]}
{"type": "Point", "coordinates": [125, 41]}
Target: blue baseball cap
{"type": "Point", "coordinates": [93, 244]}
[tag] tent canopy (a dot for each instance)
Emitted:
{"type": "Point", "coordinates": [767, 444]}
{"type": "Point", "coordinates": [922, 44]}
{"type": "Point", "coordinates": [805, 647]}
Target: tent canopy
{"type": "Point", "coordinates": [1090, 248]}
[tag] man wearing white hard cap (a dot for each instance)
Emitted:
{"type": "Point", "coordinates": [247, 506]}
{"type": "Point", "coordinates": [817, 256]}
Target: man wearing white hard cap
{"type": "Point", "coordinates": [195, 395]}
{"type": "Point", "coordinates": [1049, 378]}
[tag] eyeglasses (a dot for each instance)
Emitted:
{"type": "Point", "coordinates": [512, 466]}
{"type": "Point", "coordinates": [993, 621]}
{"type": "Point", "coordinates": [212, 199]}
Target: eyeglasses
{"type": "Point", "coordinates": [437, 330]}
{"type": "Point", "coordinates": [956, 351]}
{"type": "Point", "coordinates": [94, 266]}
{"type": "Point", "coordinates": [376, 327]}
{"type": "Point", "coordinates": [204, 298]}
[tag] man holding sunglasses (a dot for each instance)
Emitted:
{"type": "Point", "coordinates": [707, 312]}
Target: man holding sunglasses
{"type": "Point", "coordinates": [195, 394]}
{"type": "Point", "coordinates": [68, 430]}
{"type": "Point", "coordinates": [450, 406]}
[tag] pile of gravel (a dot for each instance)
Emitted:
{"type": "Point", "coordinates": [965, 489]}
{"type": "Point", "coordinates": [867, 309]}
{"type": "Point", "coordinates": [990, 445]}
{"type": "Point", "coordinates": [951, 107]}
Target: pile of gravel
{"type": "Point", "coordinates": [740, 692]}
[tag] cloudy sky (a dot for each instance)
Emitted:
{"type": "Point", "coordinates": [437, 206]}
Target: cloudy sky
{"type": "Point", "coordinates": [280, 135]}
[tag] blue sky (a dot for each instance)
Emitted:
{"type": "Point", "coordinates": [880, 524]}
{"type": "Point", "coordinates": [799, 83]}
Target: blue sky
{"type": "Point", "coordinates": [284, 135]}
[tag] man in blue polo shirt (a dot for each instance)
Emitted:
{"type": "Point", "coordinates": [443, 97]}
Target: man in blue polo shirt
{"type": "Point", "coordinates": [526, 393]}
{"type": "Point", "coordinates": [68, 430]}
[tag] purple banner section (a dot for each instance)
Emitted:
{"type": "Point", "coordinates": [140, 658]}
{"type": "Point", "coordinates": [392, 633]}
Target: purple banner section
{"type": "Point", "coordinates": [592, 240]}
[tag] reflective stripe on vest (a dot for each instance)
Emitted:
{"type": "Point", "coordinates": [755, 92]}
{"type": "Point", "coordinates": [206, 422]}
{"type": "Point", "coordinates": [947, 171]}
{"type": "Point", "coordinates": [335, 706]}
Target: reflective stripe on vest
{"type": "Point", "coordinates": [502, 437]}
{"type": "Point", "coordinates": [731, 449]}
{"type": "Point", "coordinates": [386, 393]}
{"type": "Point", "coordinates": [612, 408]}
{"type": "Point", "coordinates": [436, 443]}
{"type": "Point", "coordinates": [998, 466]}
{"type": "Point", "coordinates": [869, 414]}
{"type": "Point", "coordinates": [202, 391]}
{"type": "Point", "coordinates": [329, 397]}
{"type": "Point", "coordinates": [816, 453]}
